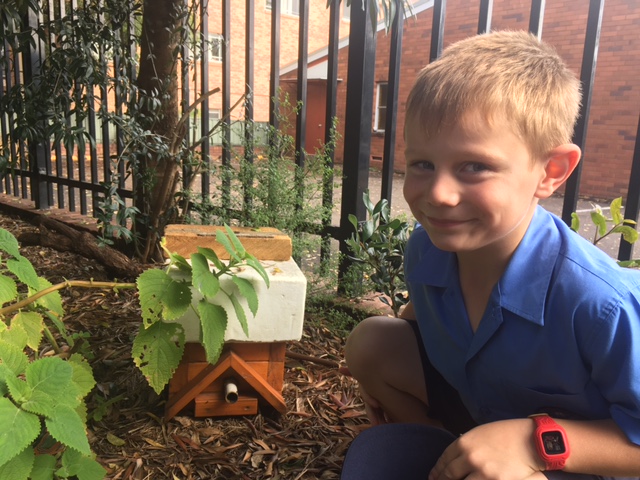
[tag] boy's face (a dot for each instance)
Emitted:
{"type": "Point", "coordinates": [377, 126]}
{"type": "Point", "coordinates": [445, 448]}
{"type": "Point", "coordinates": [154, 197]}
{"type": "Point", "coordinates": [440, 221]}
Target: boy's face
{"type": "Point", "coordinates": [472, 186]}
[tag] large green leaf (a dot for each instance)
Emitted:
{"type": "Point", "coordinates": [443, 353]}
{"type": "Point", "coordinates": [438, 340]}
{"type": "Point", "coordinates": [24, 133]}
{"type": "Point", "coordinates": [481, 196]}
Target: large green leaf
{"type": "Point", "coordinates": [19, 390]}
{"type": "Point", "coordinates": [19, 467]}
{"type": "Point", "coordinates": [248, 291]}
{"type": "Point", "coordinates": [19, 429]}
{"type": "Point", "coordinates": [52, 301]}
{"type": "Point", "coordinates": [237, 244]}
{"type": "Point", "coordinates": [599, 220]}
{"type": "Point", "coordinates": [242, 316]}
{"type": "Point", "coordinates": [82, 466]}
{"type": "Point", "coordinates": [616, 210]}
{"type": "Point", "coordinates": [22, 268]}
{"type": "Point", "coordinates": [13, 358]}
{"type": "Point", "coordinates": [630, 234]}
{"type": "Point", "coordinates": [66, 426]}
{"type": "Point", "coordinates": [50, 375]}
{"type": "Point", "coordinates": [43, 467]}
{"type": "Point", "coordinates": [15, 336]}
{"type": "Point", "coordinates": [32, 324]}
{"type": "Point", "coordinates": [157, 351]}
{"type": "Point", "coordinates": [213, 319]}
{"type": "Point", "coordinates": [8, 243]}
{"type": "Point", "coordinates": [203, 278]}
{"type": "Point", "coordinates": [212, 257]}
{"type": "Point", "coordinates": [82, 374]}
{"type": "Point", "coordinates": [8, 289]}
{"type": "Point", "coordinates": [254, 263]}
{"type": "Point", "coordinates": [223, 240]}
{"type": "Point", "coordinates": [162, 297]}
{"type": "Point", "coordinates": [50, 380]}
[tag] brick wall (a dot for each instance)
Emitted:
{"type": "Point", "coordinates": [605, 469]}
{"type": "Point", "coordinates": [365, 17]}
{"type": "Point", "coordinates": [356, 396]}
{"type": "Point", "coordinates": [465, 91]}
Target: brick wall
{"type": "Point", "coordinates": [615, 104]}
{"type": "Point", "coordinates": [318, 38]}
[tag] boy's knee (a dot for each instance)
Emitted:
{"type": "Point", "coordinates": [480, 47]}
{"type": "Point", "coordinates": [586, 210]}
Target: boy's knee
{"type": "Point", "coordinates": [371, 342]}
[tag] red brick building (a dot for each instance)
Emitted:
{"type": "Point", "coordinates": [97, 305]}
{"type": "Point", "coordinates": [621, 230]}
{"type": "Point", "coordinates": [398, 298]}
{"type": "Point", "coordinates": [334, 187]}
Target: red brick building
{"type": "Point", "coordinates": [615, 104]}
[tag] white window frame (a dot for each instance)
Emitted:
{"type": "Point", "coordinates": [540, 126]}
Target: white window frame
{"type": "Point", "coordinates": [289, 7]}
{"type": "Point", "coordinates": [381, 107]}
{"type": "Point", "coordinates": [214, 48]}
{"type": "Point", "coordinates": [346, 11]}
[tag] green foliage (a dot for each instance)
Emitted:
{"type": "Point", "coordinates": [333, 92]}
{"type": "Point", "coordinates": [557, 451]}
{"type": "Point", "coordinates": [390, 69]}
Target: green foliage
{"type": "Point", "coordinates": [41, 397]}
{"type": "Point", "coordinates": [605, 226]}
{"type": "Point", "coordinates": [265, 185]}
{"type": "Point", "coordinates": [165, 297]}
{"type": "Point", "coordinates": [378, 243]}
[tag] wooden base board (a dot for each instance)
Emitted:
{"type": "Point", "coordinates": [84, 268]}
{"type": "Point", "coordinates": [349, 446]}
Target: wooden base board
{"type": "Point", "coordinates": [214, 405]}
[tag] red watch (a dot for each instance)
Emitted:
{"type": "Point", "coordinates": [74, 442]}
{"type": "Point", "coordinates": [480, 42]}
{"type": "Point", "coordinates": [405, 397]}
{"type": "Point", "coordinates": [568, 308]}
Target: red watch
{"type": "Point", "coordinates": [551, 442]}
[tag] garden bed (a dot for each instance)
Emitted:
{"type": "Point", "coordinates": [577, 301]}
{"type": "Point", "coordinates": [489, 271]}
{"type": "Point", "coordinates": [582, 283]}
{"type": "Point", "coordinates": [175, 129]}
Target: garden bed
{"type": "Point", "coordinates": [127, 431]}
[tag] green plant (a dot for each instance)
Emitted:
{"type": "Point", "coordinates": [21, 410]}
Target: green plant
{"type": "Point", "coordinates": [605, 226]}
{"type": "Point", "coordinates": [42, 410]}
{"type": "Point", "coordinates": [42, 390]}
{"type": "Point", "coordinates": [379, 243]}
{"type": "Point", "coordinates": [164, 298]}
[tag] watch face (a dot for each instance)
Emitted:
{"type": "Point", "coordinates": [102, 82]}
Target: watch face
{"type": "Point", "coordinates": [553, 443]}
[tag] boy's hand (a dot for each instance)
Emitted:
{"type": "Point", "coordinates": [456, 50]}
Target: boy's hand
{"type": "Point", "coordinates": [495, 451]}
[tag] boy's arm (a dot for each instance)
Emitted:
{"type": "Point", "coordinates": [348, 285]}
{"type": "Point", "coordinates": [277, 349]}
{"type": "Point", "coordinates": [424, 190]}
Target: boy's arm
{"type": "Point", "coordinates": [506, 450]}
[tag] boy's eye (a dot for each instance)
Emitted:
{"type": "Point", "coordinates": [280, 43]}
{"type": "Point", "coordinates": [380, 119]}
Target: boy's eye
{"type": "Point", "coordinates": [475, 167]}
{"type": "Point", "coordinates": [422, 165]}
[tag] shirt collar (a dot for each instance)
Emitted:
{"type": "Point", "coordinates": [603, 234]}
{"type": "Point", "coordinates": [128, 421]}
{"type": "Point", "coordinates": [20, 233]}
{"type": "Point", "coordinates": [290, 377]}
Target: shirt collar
{"type": "Point", "coordinates": [525, 283]}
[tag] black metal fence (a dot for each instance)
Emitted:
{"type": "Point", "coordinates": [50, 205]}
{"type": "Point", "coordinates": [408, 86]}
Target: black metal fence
{"type": "Point", "coordinates": [47, 175]}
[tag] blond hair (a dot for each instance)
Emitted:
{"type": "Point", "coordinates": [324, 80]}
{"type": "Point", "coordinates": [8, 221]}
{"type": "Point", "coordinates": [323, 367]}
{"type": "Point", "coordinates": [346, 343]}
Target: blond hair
{"type": "Point", "coordinates": [510, 74]}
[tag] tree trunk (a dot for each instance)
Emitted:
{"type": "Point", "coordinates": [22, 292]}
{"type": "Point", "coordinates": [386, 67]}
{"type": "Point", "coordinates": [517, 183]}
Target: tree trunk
{"type": "Point", "coordinates": [158, 177]}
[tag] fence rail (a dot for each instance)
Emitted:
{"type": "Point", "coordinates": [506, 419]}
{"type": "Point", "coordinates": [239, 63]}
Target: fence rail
{"type": "Point", "coordinates": [53, 175]}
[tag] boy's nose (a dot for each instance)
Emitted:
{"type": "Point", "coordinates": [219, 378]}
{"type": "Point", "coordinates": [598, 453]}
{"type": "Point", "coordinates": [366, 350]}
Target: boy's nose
{"type": "Point", "coordinates": [443, 191]}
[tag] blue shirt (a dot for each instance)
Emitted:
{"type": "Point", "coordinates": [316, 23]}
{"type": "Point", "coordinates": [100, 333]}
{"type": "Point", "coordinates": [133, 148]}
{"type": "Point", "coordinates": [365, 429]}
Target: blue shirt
{"type": "Point", "coordinates": [561, 331]}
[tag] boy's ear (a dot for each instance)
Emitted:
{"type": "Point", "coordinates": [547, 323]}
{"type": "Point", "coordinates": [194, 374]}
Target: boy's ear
{"type": "Point", "coordinates": [560, 163]}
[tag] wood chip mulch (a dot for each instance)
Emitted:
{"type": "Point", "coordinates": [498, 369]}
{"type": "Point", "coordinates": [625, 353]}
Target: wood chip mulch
{"type": "Point", "coordinates": [127, 431]}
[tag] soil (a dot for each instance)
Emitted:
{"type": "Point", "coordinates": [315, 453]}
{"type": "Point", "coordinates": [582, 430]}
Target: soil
{"type": "Point", "coordinates": [128, 433]}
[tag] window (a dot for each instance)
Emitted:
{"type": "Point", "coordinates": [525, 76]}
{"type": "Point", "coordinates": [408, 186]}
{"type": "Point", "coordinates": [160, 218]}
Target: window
{"type": "Point", "coordinates": [289, 7]}
{"type": "Point", "coordinates": [346, 10]}
{"type": "Point", "coordinates": [216, 135]}
{"type": "Point", "coordinates": [216, 44]}
{"type": "Point", "coordinates": [381, 108]}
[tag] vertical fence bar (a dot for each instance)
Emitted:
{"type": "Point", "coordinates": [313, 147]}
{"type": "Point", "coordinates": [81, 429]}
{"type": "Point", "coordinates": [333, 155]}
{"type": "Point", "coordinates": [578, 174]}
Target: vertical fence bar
{"type": "Point", "coordinates": [185, 94]}
{"type": "Point", "coordinates": [587, 75]}
{"type": "Point", "coordinates": [330, 113]}
{"type": "Point", "coordinates": [484, 18]}
{"type": "Point", "coordinates": [437, 29]}
{"type": "Point", "coordinates": [632, 203]}
{"type": "Point", "coordinates": [274, 84]}
{"type": "Point", "coordinates": [226, 101]}
{"type": "Point", "coordinates": [205, 180]}
{"type": "Point", "coordinates": [248, 106]}
{"type": "Point", "coordinates": [359, 108]}
{"type": "Point", "coordinates": [303, 64]}
{"type": "Point", "coordinates": [536, 17]}
{"type": "Point", "coordinates": [40, 187]}
{"type": "Point", "coordinates": [393, 84]}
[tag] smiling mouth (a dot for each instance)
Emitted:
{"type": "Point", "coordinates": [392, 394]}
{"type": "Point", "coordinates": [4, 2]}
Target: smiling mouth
{"type": "Point", "coordinates": [444, 223]}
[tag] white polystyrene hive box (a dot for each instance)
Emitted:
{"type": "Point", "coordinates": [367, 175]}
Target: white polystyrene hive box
{"type": "Point", "coordinates": [280, 312]}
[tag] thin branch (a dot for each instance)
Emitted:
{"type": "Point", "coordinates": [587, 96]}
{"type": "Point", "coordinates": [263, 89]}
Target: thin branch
{"type": "Point", "coordinates": [69, 283]}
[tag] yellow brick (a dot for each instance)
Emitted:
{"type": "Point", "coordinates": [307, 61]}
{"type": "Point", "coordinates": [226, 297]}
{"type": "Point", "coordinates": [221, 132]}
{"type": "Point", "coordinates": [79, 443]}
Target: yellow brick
{"type": "Point", "coordinates": [263, 243]}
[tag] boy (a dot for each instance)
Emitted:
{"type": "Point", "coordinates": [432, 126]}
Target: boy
{"type": "Point", "coordinates": [517, 314]}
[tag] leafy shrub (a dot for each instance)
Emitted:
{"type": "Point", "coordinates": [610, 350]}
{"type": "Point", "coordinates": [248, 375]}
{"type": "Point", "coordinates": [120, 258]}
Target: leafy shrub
{"type": "Point", "coordinates": [619, 225]}
{"type": "Point", "coordinates": [42, 409]}
{"type": "Point", "coordinates": [379, 243]}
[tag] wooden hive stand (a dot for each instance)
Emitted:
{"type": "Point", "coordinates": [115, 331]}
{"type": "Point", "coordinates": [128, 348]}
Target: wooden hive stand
{"type": "Point", "coordinates": [248, 374]}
